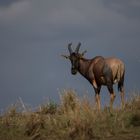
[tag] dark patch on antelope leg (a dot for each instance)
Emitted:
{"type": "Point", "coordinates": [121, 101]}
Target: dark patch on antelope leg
{"type": "Point", "coordinates": [112, 94]}
{"type": "Point", "coordinates": [97, 94]}
{"type": "Point", "coordinates": [121, 89]}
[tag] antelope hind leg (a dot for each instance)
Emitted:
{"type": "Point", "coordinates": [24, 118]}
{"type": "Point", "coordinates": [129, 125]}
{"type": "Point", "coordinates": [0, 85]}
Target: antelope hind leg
{"type": "Point", "coordinates": [112, 98]}
{"type": "Point", "coordinates": [122, 98]}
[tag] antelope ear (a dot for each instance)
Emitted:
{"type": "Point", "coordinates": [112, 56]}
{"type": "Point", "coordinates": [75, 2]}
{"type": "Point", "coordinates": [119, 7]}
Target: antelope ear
{"type": "Point", "coordinates": [65, 56]}
{"type": "Point", "coordinates": [83, 53]}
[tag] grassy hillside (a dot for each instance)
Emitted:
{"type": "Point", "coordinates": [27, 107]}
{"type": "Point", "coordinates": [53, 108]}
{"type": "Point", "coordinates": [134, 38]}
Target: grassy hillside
{"type": "Point", "coordinates": [72, 119]}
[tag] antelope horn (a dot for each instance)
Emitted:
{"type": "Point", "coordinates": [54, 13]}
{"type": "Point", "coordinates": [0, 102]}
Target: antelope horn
{"type": "Point", "coordinates": [78, 47]}
{"type": "Point", "coordinates": [69, 48]}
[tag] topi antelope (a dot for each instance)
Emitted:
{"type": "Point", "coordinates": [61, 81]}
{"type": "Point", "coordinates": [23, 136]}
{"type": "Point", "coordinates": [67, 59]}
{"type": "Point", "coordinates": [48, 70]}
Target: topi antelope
{"type": "Point", "coordinates": [98, 71]}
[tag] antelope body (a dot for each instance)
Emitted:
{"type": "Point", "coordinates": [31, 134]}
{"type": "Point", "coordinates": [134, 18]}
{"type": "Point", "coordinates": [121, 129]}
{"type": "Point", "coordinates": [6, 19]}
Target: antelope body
{"type": "Point", "coordinates": [99, 71]}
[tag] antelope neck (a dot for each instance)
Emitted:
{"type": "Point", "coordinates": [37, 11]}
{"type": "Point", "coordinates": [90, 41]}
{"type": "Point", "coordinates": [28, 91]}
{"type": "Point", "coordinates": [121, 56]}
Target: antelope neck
{"type": "Point", "coordinates": [84, 66]}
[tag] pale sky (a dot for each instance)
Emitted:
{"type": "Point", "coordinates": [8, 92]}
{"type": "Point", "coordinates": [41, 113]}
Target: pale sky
{"type": "Point", "coordinates": [34, 33]}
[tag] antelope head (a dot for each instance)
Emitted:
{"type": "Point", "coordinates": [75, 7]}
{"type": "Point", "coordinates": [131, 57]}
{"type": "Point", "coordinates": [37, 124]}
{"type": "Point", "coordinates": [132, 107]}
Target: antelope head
{"type": "Point", "coordinates": [74, 57]}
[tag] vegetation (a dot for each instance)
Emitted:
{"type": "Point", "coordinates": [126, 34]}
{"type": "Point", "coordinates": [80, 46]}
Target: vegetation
{"type": "Point", "coordinates": [72, 119]}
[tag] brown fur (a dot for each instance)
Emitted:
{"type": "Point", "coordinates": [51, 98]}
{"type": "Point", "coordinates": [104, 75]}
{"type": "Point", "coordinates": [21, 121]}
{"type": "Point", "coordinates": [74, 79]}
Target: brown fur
{"type": "Point", "coordinates": [104, 71]}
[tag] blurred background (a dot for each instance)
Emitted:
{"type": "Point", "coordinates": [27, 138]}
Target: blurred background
{"type": "Point", "coordinates": [34, 33]}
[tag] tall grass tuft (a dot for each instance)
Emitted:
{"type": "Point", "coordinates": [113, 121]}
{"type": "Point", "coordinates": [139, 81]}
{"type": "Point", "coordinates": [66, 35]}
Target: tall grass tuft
{"type": "Point", "coordinates": [73, 119]}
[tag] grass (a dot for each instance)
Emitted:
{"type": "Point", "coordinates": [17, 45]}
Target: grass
{"type": "Point", "coordinates": [72, 119]}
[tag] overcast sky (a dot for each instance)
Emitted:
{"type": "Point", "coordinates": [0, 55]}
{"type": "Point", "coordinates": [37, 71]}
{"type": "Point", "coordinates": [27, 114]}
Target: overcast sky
{"type": "Point", "coordinates": [34, 33]}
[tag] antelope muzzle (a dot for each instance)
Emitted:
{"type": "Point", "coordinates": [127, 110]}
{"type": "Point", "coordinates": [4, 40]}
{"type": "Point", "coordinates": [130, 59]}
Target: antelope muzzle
{"type": "Point", "coordinates": [73, 71]}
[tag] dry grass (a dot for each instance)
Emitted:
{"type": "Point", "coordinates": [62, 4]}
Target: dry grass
{"type": "Point", "coordinates": [73, 119]}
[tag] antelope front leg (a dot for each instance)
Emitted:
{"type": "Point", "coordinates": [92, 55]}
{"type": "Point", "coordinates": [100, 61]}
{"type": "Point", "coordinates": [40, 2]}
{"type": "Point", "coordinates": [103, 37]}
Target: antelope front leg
{"type": "Point", "coordinates": [97, 94]}
{"type": "Point", "coordinates": [97, 98]}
